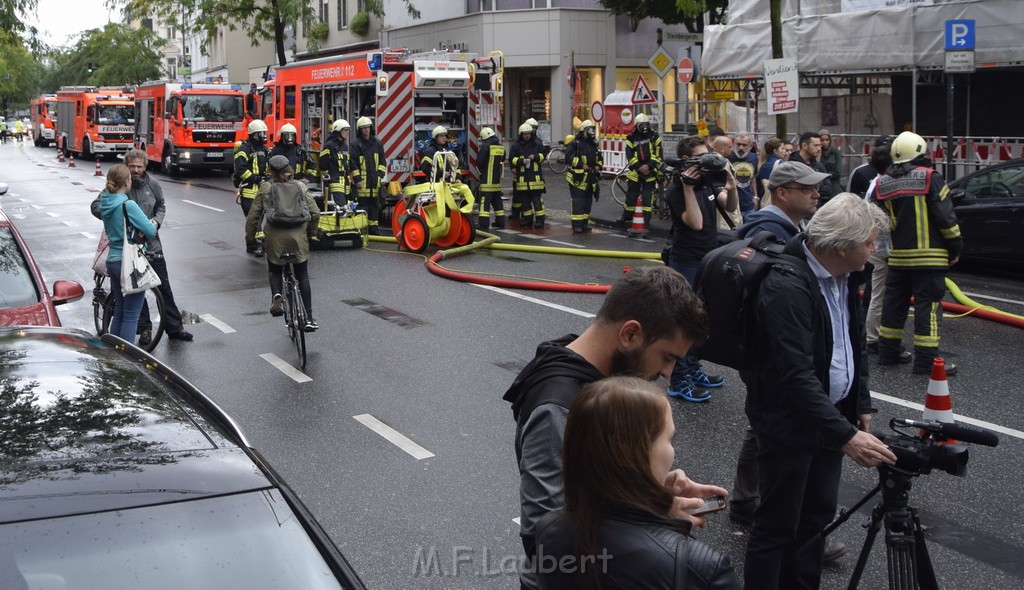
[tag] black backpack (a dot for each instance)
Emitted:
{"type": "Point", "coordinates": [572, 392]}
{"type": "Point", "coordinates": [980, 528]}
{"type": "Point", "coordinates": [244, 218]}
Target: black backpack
{"type": "Point", "coordinates": [727, 281]}
{"type": "Point", "coordinates": [286, 205]}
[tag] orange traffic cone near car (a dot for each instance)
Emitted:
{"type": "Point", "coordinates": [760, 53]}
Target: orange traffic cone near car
{"type": "Point", "coordinates": [639, 228]}
{"type": "Point", "coordinates": [938, 405]}
{"type": "Point", "coordinates": [99, 171]}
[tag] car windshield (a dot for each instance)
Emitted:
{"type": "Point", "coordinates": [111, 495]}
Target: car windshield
{"type": "Point", "coordinates": [212, 107]}
{"type": "Point", "coordinates": [17, 286]}
{"type": "Point", "coordinates": [250, 540]}
{"type": "Point", "coordinates": [116, 114]}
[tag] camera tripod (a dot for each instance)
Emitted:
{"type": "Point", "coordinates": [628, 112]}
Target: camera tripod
{"type": "Point", "coordinates": [910, 567]}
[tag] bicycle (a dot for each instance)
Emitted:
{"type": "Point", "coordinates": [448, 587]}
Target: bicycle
{"type": "Point", "coordinates": [103, 311]}
{"type": "Point", "coordinates": [294, 310]}
{"type": "Point", "coordinates": [659, 205]}
{"type": "Point", "coordinates": [556, 159]}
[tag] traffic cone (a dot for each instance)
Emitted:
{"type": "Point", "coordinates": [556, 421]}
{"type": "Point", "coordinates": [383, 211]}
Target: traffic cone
{"type": "Point", "coordinates": [71, 160]}
{"type": "Point", "coordinates": [638, 229]}
{"type": "Point", "coordinates": [99, 172]}
{"type": "Point", "coordinates": [60, 149]}
{"type": "Point", "coordinates": [938, 405]}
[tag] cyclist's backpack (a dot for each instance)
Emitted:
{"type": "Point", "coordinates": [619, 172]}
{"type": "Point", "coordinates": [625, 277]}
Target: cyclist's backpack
{"type": "Point", "coordinates": [286, 206]}
{"type": "Point", "coordinates": [727, 281]}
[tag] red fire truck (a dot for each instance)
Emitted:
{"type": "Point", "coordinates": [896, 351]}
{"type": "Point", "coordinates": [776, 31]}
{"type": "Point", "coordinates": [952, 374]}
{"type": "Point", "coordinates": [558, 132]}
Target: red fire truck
{"type": "Point", "coordinates": [43, 112]}
{"type": "Point", "coordinates": [406, 95]}
{"type": "Point", "coordinates": [189, 126]}
{"type": "Point", "coordinates": [93, 121]}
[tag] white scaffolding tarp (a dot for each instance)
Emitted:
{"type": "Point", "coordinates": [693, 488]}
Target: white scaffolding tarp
{"type": "Point", "coordinates": [855, 42]}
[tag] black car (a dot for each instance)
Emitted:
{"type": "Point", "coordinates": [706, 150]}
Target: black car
{"type": "Point", "coordinates": [990, 207]}
{"type": "Point", "coordinates": [115, 472]}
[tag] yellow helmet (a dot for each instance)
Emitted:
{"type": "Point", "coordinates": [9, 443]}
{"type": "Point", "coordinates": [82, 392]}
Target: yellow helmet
{"type": "Point", "coordinates": [525, 128]}
{"type": "Point", "coordinates": [439, 130]}
{"type": "Point", "coordinates": [907, 146]}
{"type": "Point", "coordinates": [363, 122]}
{"type": "Point", "coordinates": [340, 125]}
{"type": "Point", "coordinates": [486, 133]}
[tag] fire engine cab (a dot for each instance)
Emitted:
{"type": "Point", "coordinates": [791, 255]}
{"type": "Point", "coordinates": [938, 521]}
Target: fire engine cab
{"type": "Point", "coordinates": [93, 121]}
{"type": "Point", "coordinates": [405, 94]}
{"type": "Point", "coordinates": [43, 111]}
{"type": "Point", "coordinates": [189, 126]}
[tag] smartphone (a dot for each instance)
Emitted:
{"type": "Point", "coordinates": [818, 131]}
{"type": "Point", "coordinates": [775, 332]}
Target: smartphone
{"type": "Point", "coordinates": [711, 504]}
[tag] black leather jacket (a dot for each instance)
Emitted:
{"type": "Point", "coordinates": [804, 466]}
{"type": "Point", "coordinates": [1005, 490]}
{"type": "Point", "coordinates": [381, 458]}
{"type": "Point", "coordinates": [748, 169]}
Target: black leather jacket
{"type": "Point", "coordinates": [645, 552]}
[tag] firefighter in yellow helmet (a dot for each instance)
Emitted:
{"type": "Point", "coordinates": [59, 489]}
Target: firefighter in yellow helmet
{"type": "Point", "coordinates": [250, 170]}
{"type": "Point", "coordinates": [299, 159]}
{"type": "Point", "coordinates": [368, 171]}
{"type": "Point", "coordinates": [336, 164]}
{"type": "Point", "coordinates": [490, 162]}
{"type": "Point", "coordinates": [583, 175]}
{"type": "Point", "coordinates": [643, 159]}
{"type": "Point", "coordinates": [525, 158]}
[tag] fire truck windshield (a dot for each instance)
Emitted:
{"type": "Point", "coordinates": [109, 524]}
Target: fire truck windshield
{"type": "Point", "coordinates": [116, 115]}
{"type": "Point", "coordinates": [212, 107]}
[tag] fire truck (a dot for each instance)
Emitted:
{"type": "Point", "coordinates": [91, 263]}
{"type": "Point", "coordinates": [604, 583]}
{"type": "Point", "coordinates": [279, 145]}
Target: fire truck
{"type": "Point", "coordinates": [189, 126]}
{"type": "Point", "coordinates": [93, 121]}
{"type": "Point", "coordinates": [406, 94]}
{"type": "Point", "coordinates": [43, 111]}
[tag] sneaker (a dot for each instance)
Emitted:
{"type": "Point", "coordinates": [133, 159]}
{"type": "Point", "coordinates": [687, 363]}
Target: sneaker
{"type": "Point", "coordinates": [277, 307]}
{"type": "Point", "coordinates": [182, 335]}
{"type": "Point", "coordinates": [702, 379]}
{"type": "Point", "coordinates": [833, 550]}
{"type": "Point", "coordinates": [145, 337]}
{"type": "Point", "coordinates": [688, 392]}
{"type": "Point", "coordinates": [311, 325]}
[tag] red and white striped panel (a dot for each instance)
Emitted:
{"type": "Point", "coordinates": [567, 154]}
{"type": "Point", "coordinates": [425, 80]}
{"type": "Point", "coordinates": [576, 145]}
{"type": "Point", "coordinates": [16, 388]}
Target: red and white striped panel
{"type": "Point", "coordinates": [395, 127]}
{"type": "Point", "coordinates": [484, 111]}
{"type": "Point", "coordinates": [614, 153]}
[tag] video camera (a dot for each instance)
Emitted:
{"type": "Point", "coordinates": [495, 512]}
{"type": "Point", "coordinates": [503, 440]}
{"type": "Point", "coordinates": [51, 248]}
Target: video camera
{"type": "Point", "coordinates": [711, 165]}
{"type": "Point", "coordinates": [921, 452]}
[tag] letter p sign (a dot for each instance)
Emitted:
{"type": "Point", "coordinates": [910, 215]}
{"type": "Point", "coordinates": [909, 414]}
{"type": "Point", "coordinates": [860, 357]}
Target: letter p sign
{"type": "Point", "coordinates": [959, 35]}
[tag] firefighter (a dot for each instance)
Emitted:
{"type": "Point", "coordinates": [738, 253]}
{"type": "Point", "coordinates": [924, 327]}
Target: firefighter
{"type": "Point", "coordinates": [298, 156]}
{"type": "Point", "coordinates": [250, 170]}
{"type": "Point", "coordinates": [438, 143]}
{"type": "Point", "coordinates": [525, 158]}
{"type": "Point", "coordinates": [368, 170]}
{"type": "Point", "coordinates": [585, 163]}
{"type": "Point", "coordinates": [643, 158]}
{"type": "Point", "coordinates": [490, 162]}
{"type": "Point", "coordinates": [925, 242]}
{"type": "Point", "coordinates": [335, 164]}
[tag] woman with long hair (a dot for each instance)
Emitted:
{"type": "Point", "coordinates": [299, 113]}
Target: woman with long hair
{"type": "Point", "coordinates": [624, 524]}
{"type": "Point", "coordinates": [117, 210]}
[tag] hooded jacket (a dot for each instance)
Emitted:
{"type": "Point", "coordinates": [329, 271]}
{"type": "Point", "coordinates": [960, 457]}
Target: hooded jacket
{"type": "Point", "coordinates": [113, 221]}
{"type": "Point", "coordinates": [769, 219]}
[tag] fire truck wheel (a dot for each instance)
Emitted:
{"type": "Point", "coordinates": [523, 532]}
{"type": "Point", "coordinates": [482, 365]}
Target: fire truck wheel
{"type": "Point", "coordinates": [86, 148]}
{"type": "Point", "coordinates": [169, 168]}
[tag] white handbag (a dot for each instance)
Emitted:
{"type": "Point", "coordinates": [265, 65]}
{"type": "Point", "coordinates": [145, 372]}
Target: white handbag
{"type": "Point", "coordinates": [137, 275]}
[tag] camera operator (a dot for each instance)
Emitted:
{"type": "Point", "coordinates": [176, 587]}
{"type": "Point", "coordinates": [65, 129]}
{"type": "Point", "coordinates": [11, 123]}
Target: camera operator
{"type": "Point", "coordinates": [807, 398]}
{"type": "Point", "coordinates": [691, 199]}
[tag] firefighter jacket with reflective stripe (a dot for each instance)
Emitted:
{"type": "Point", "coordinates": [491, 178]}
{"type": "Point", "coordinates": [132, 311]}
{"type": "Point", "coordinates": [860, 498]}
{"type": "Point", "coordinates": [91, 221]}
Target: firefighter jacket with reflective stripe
{"type": "Point", "coordinates": [368, 165]}
{"type": "Point", "coordinates": [298, 157]}
{"type": "Point", "coordinates": [583, 152]}
{"type": "Point", "coordinates": [492, 163]}
{"type": "Point", "coordinates": [643, 148]}
{"type": "Point", "coordinates": [335, 162]}
{"type": "Point", "coordinates": [427, 162]}
{"type": "Point", "coordinates": [250, 168]}
{"type": "Point", "coordinates": [925, 233]}
{"type": "Point", "coordinates": [526, 174]}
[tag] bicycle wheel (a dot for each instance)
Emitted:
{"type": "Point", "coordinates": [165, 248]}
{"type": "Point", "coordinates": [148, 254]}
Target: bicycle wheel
{"type": "Point", "coordinates": [100, 319]}
{"type": "Point", "coordinates": [556, 161]}
{"type": "Point", "coordinates": [154, 303]}
{"type": "Point", "coordinates": [289, 308]}
{"type": "Point", "coordinates": [619, 187]}
{"type": "Point", "coordinates": [300, 329]}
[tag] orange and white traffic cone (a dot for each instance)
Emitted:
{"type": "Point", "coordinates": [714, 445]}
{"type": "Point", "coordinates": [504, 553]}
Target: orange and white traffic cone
{"type": "Point", "coordinates": [639, 228]}
{"type": "Point", "coordinates": [71, 160]}
{"type": "Point", "coordinates": [99, 172]}
{"type": "Point", "coordinates": [60, 149]}
{"type": "Point", "coordinates": [938, 405]}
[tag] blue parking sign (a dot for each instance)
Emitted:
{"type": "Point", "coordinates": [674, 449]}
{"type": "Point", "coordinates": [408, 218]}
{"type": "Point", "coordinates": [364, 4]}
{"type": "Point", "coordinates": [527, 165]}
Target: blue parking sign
{"type": "Point", "coordinates": [959, 35]}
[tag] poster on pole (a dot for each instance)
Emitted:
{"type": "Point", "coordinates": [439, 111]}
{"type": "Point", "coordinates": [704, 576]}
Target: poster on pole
{"type": "Point", "coordinates": [782, 83]}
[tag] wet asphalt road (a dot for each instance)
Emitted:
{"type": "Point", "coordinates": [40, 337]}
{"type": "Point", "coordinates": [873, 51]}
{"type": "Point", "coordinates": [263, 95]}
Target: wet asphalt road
{"type": "Point", "coordinates": [430, 358]}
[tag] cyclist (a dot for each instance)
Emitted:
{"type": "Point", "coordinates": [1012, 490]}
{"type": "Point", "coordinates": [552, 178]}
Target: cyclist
{"type": "Point", "coordinates": [281, 240]}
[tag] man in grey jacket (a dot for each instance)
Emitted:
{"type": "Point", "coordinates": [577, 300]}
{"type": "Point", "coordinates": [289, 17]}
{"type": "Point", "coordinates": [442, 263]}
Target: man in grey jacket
{"type": "Point", "coordinates": [150, 197]}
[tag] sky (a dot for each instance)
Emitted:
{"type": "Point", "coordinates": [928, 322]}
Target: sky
{"type": "Point", "coordinates": [57, 19]}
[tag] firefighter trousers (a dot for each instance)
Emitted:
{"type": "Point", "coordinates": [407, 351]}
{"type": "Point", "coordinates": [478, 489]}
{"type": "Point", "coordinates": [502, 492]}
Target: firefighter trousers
{"type": "Point", "coordinates": [927, 286]}
{"type": "Point", "coordinates": [634, 189]}
{"type": "Point", "coordinates": [532, 213]}
{"type": "Point", "coordinates": [581, 202]}
{"type": "Point", "coordinates": [488, 201]}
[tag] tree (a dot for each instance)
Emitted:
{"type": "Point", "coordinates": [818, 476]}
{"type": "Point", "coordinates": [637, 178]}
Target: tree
{"type": "Point", "coordinates": [19, 75]}
{"type": "Point", "coordinates": [116, 55]}
{"type": "Point", "coordinates": [684, 12]}
{"type": "Point", "coordinates": [12, 21]}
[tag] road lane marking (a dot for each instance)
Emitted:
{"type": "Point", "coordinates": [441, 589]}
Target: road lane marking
{"type": "Point", "coordinates": [990, 297]}
{"type": "Point", "coordinates": [52, 214]}
{"type": "Point", "coordinates": [394, 437]}
{"type": "Point", "coordinates": [517, 520]}
{"type": "Point", "coordinates": [959, 417]}
{"type": "Point", "coordinates": [565, 243]}
{"type": "Point", "coordinates": [535, 300]}
{"type": "Point", "coordinates": [69, 223]}
{"type": "Point", "coordinates": [202, 205]}
{"type": "Point", "coordinates": [89, 235]}
{"type": "Point", "coordinates": [506, 231]}
{"type": "Point", "coordinates": [296, 375]}
{"type": "Point", "coordinates": [209, 319]}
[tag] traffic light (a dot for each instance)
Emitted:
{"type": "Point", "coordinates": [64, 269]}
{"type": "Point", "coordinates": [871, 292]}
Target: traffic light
{"type": "Point", "coordinates": [89, 67]}
{"type": "Point", "coordinates": [382, 84]}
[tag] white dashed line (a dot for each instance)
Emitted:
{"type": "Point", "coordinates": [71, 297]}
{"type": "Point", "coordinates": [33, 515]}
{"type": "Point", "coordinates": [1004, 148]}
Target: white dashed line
{"type": "Point", "coordinates": [506, 231]}
{"type": "Point", "coordinates": [209, 319]}
{"type": "Point", "coordinates": [52, 214]}
{"type": "Point", "coordinates": [517, 520]}
{"type": "Point", "coordinates": [89, 235]}
{"type": "Point", "coordinates": [564, 243]}
{"type": "Point", "coordinates": [535, 300]}
{"type": "Point", "coordinates": [296, 375]}
{"type": "Point", "coordinates": [394, 437]}
{"type": "Point", "coordinates": [37, 207]}
{"type": "Point", "coordinates": [918, 407]}
{"type": "Point", "coordinates": [991, 298]}
{"type": "Point", "coordinates": [202, 205]}
{"type": "Point", "coordinates": [69, 223]}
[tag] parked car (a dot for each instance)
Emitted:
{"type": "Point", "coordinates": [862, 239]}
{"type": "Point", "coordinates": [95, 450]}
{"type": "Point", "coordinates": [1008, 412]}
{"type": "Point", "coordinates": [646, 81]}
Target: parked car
{"type": "Point", "coordinates": [24, 299]}
{"type": "Point", "coordinates": [990, 207]}
{"type": "Point", "coordinates": [115, 472]}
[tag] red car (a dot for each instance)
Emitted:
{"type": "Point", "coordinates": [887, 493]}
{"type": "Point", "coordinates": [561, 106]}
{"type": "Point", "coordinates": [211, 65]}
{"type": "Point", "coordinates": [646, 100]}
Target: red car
{"type": "Point", "coordinates": [24, 300]}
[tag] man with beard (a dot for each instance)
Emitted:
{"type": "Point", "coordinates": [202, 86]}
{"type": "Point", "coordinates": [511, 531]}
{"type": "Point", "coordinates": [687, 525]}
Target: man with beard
{"type": "Point", "coordinates": [744, 167]}
{"type": "Point", "coordinates": [624, 339]}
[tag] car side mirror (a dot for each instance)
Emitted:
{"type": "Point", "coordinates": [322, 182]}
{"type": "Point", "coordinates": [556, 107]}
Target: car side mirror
{"type": "Point", "coordinates": [66, 292]}
{"type": "Point", "coordinates": [3, 188]}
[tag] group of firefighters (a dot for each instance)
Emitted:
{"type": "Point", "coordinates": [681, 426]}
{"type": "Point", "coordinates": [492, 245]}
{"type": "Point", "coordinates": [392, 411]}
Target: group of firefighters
{"type": "Point", "coordinates": [354, 171]}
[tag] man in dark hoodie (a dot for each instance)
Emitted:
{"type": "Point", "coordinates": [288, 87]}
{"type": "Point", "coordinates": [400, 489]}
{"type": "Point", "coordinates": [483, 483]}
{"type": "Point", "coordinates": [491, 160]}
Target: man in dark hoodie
{"type": "Point", "coordinates": [624, 339]}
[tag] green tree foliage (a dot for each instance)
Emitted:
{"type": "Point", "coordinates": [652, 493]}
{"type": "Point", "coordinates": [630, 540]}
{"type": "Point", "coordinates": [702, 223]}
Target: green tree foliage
{"type": "Point", "coordinates": [19, 75]}
{"type": "Point", "coordinates": [117, 55]}
{"type": "Point", "coordinates": [685, 12]}
{"type": "Point", "coordinates": [12, 21]}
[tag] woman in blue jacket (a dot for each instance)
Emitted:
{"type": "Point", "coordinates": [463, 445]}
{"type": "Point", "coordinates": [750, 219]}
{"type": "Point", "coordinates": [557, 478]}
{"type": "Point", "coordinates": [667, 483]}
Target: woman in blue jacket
{"type": "Point", "coordinates": [115, 207]}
